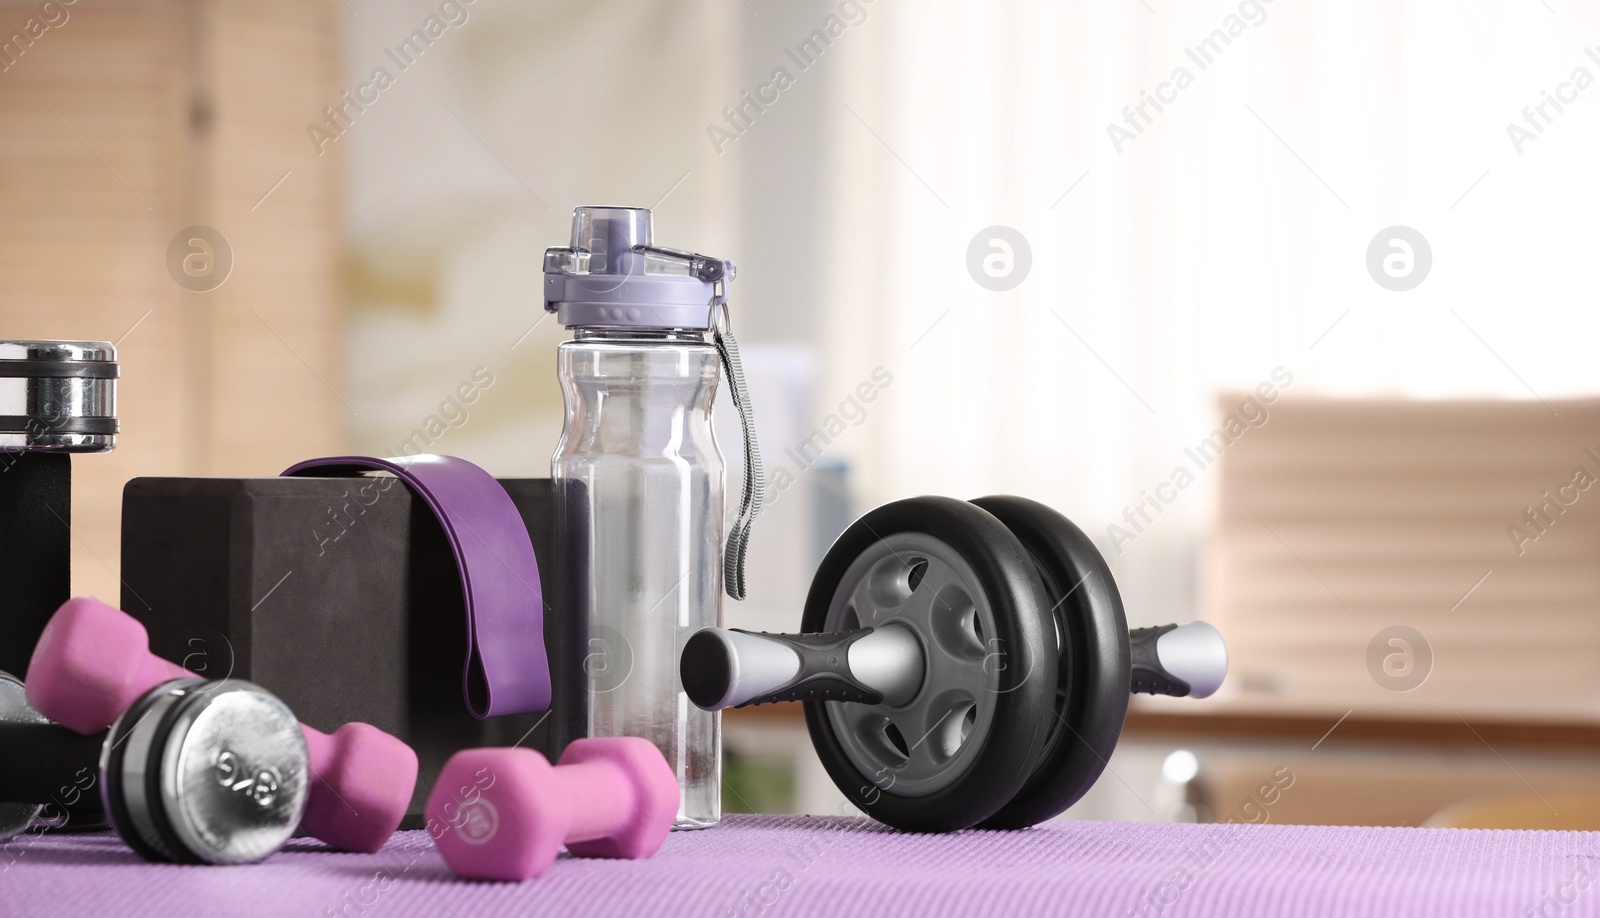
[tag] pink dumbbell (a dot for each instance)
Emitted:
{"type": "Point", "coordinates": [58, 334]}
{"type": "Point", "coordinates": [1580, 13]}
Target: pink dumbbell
{"type": "Point", "coordinates": [503, 814]}
{"type": "Point", "coordinates": [93, 661]}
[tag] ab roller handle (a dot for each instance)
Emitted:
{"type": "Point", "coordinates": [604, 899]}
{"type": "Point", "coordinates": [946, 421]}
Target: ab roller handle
{"type": "Point", "coordinates": [731, 668]}
{"type": "Point", "coordinates": [1179, 660]}
{"type": "Point", "coordinates": [93, 662]}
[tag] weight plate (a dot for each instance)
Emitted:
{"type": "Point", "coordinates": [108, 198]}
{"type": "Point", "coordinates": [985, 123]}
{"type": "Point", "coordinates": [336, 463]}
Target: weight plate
{"type": "Point", "coordinates": [1092, 695]}
{"type": "Point", "coordinates": [58, 396]}
{"type": "Point", "coordinates": [232, 773]}
{"type": "Point", "coordinates": [202, 772]}
{"type": "Point", "coordinates": [965, 743]}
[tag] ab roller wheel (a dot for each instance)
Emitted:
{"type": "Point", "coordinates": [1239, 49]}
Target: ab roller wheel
{"type": "Point", "coordinates": [1091, 692]}
{"type": "Point", "coordinates": [961, 664]}
{"type": "Point", "coordinates": [948, 748]}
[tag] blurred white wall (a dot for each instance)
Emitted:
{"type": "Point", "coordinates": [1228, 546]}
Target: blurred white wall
{"type": "Point", "coordinates": [1227, 237]}
{"type": "Point", "coordinates": [469, 166]}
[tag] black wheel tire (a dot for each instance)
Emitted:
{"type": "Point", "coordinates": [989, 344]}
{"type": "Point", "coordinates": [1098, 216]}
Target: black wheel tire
{"type": "Point", "coordinates": [1010, 582]}
{"type": "Point", "coordinates": [1094, 668]}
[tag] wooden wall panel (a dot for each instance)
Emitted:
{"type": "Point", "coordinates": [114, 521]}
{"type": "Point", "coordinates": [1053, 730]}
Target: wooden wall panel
{"type": "Point", "coordinates": [1338, 519]}
{"type": "Point", "coordinates": [274, 67]}
{"type": "Point", "coordinates": [130, 121]}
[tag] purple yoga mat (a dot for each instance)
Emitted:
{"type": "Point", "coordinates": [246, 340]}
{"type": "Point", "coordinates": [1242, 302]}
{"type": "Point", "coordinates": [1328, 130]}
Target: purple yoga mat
{"type": "Point", "coordinates": [785, 866]}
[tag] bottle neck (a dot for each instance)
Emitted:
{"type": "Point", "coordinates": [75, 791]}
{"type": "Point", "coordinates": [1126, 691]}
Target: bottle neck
{"type": "Point", "coordinates": [661, 335]}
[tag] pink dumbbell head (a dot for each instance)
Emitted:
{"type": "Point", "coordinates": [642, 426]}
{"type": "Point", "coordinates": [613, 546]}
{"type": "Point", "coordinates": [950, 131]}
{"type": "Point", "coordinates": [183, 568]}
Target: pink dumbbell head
{"type": "Point", "coordinates": [93, 661]}
{"type": "Point", "coordinates": [503, 814]}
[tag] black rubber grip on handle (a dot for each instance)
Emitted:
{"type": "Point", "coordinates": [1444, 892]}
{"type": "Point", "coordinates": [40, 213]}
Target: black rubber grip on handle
{"type": "Point", "coordinates": [824, 673]}
{"type": "Point", "coordinates": [1148, 676]}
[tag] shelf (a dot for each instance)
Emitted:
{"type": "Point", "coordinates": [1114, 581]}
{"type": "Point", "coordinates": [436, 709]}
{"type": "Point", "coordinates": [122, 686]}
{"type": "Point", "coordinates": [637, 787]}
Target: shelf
{"type": "Point", "coordinates": [1309, 728]}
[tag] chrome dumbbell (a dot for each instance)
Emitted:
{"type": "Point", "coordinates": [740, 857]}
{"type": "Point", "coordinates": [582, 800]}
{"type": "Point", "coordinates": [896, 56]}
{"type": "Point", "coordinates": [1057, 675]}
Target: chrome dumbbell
{"type": "Point", "coordinates": [93, 663]}
{"type": "Point", "coordinates": [57, 398]}
{"type": "Point", "coordinates": [194, 772]}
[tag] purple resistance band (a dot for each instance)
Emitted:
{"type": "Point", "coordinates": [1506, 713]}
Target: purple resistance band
{"type": "Point", "coordinates": [507, 670]}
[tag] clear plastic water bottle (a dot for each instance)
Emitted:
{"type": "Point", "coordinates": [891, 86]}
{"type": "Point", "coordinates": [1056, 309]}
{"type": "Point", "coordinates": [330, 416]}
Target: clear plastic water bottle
{"type": "Point", "coordinates": [642, 479]}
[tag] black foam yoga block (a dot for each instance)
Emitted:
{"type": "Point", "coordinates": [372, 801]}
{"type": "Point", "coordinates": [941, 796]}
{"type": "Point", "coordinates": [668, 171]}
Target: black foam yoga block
{"type": "Point", "coordinates": [348, 612]}
{"type": "Point", "coordinates": [35, 550]}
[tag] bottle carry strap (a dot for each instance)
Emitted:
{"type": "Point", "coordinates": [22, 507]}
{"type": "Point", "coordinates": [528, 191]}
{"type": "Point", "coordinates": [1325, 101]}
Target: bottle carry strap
{"type": "Point", "coordinates": [755, 478]}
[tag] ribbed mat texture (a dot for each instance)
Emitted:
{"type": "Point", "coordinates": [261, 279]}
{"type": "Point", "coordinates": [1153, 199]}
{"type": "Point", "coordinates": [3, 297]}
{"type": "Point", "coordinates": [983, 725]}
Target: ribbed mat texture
{"type": "Point", "coordinates": [783, 866]}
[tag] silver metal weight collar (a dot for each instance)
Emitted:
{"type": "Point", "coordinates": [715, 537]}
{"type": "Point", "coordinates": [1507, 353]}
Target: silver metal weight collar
{"type": "Point", "coordinates": [58, 396]}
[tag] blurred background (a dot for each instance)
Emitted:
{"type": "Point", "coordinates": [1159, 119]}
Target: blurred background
{"type": "Point", "coordinates": [1289, 305]}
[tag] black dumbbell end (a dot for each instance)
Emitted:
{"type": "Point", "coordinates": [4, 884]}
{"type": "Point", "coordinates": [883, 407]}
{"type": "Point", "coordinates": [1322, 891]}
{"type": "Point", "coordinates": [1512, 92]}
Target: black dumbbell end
{"type": "Point", "coordinates": [35, 548]}
{"type": "Point", "coordinates": [48, 774]}
{"type": "Point", "coordinates": [1181, 660]}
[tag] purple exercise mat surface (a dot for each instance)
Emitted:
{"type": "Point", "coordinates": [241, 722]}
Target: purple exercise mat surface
{"type": "Point", "coordinates": [782, 866]}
